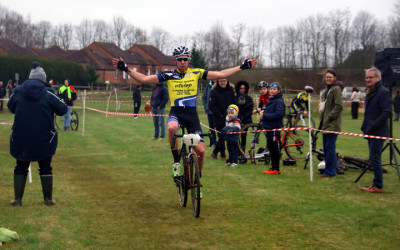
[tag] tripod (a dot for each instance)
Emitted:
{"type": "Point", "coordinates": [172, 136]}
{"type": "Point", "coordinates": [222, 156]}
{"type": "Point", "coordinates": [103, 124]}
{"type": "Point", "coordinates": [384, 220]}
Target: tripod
{"type": "Point", "coordinates": [392, 145]}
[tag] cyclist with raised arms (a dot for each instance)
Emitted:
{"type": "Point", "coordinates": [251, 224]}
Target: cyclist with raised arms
{"type": "Point", "coordinates": [182, 86]}
{"type": "Point", "coordinates": [302, 98]}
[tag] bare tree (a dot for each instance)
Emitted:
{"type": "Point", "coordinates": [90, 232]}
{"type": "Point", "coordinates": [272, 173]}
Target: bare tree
{"type": "Point", "coordinates": [364, 30]}
{"type": "Point", "coordinates": [394, 26]}
{"type": "Point", "coordinates": [84, 33]}
{"type": "Point", "coordinates": [219, 46]}
{"type": "Point", "coordinates": [102, 32]}
{"type": "Point", "coordinates": [256, 41]}
{"type": "Point", "coordinates": [42, 32]}
{"type": "Point", "coordinates": [237, 40]}
{"type": "Point", "coordinates": [119, 27]}
{"type": "Point", "coordinates": [161, 39]}
{"type": "Point", "coordinates": [134, 35]}
{"type": "Point", "coordinates": [339, 25]}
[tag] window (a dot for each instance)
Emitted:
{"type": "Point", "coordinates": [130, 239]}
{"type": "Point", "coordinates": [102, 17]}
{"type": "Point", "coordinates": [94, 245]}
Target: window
{"type": "Point", "coordinates": [116, 74]}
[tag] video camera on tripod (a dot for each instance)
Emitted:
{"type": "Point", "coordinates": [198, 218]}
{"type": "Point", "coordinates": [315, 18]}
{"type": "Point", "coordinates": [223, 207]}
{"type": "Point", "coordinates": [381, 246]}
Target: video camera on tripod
{"type": "Point", "coordinates": [388, 62]}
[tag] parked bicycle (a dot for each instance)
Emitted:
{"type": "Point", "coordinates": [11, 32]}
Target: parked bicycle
{"type": "Point", "coordinates": [190, 178]}
{"type": "Point", "coordinates": [59, 121]}
{"type": "Point", "coordinates": [295, 142]}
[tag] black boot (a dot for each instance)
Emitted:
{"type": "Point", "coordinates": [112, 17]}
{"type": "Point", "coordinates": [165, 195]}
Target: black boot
{"type": "Point", "coordinates": [47, 188]}
{"type": "Point", "coordinates": [19, 188]}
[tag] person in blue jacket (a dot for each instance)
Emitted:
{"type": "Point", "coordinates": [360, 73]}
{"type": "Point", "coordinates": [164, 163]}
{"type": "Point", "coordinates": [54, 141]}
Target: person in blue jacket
{"type": "Point", "coordinates": [159, 98]}
{"type": "Point", "coordinates": [33, 136]}
{"type": "Point", "coordinates": [272, 118]}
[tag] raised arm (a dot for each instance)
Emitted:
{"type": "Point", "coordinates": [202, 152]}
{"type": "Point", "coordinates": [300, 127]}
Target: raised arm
{"type": "Point", "coordinates": [121, 65]}
{"type": "Point", "coordinates": [247, 64]}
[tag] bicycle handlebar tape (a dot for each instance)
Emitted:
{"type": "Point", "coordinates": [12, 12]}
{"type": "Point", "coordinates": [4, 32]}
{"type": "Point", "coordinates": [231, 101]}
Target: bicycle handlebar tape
{"type": "Point", "coordinates": [246, 64]}
{"type": "Point", "coordinates": [122, 66]}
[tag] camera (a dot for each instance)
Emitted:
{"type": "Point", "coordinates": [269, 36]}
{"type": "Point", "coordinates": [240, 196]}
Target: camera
{"type": "Point", "coordinates": [388, 62]}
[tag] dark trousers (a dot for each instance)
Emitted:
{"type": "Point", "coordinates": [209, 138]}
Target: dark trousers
{"type": "Point", "coordinates": [212, 132]}
{"type": "Point", "coordinates": [232, 151]}
{"type": "Point", "coordinates": [375, 155]}
{"type": "Point", "coordinates": [329, 143]}
{"type": "Point", "coordinates": [219, 122]}
{"type": "Point", "coordinates": [44, 167]}
{"type": "Point", "coordinates": [1, 104]}
{"type": "Point", "coordinates": [274, 152]}
{"type": "Point", "coordinates": [354, 110]}
{"type": "Point", "coordinates": [136, 107]}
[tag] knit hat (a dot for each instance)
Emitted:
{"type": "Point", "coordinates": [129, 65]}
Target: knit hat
{"type": "Point", "coordinates": [37, 72]}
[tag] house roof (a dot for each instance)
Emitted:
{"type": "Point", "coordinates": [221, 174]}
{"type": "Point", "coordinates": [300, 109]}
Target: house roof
{"type": "Point", "coordinates": [52, 52]}
{"type": "Point", "coordinates": [155, 54]}
{"type": "Point", "coordinates": [10, 48]}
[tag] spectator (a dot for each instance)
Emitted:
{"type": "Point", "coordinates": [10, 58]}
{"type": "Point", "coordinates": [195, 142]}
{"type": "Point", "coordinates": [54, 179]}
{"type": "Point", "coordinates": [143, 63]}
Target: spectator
{"type": "Point", "coordinates": [11, 88]}
{"type": "Point", "coordinates": [33, 136]}
{"type": "Point", "coordinates": [2, 95]}
{"type": "Point", "coordinates": [137, 99]}
{"type": "Point", "coordinates": [378, 109]}
{"type": "Point", "coordinates": [355, 103]}
{"type": "Point", "coordinates": [264, 96]}
{"type": "Point", "coordinates": [205, 98]}
{"type": "Point", "coordinates": [396, 105]}
{"type": "Point", "coordinates": [273, 118]}
{"type": "Point", "coordinates": [159, 98]}
{"type": "Point", "coordinates": [67, 93]}
{"type": "Point", "coordinates": [331, 120]}
{"type": "Point", "coordinates": [245, 104]}
{"type": "Point", "coordinates": [221, 97]}
{"type": "Point", "coordinates": [51, 85]}
{"type": "Point", "coordinates": [232, 125]}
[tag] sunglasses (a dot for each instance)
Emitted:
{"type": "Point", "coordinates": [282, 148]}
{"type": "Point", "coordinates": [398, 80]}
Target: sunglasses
{"type": "Point", "coordinates": [274, 85]}
{"type": "Point", "coordinates": [185, 59]}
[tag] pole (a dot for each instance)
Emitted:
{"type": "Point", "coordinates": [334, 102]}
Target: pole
{"type": "Point", "coordinates": [309, 138]}
{"type": "Point", "coordinates": [108, 103]}
{"type": "Point", "coordinates": [30, 174]}
{"type": "Point", "coordinates": [84, 112]}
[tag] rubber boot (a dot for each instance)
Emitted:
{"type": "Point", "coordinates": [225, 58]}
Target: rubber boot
{"type": "Point", "coordinates": [19, 188]}
{"type": "Point", "coordinates": [47, 188]}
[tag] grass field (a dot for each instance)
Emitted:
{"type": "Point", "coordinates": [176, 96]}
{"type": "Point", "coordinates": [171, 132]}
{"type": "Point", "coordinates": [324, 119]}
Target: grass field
{"type": "Point", "coordinates": [114, 191]}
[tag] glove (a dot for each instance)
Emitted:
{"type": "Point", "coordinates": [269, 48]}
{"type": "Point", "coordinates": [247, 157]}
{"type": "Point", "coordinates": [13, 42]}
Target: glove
{"type": "Point", "coordinates": [122, 66]}
{"type": "Point", "coordinates": [246, 64]}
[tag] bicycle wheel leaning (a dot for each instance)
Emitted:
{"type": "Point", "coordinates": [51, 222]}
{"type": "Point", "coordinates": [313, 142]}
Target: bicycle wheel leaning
{"type": "Point", "coordinates": [195, 184]}
{"type": "Point", "coordinates": [58, 121]}
{"type": "Point", "coordinates": [253, 143]}
{"type": "Point", "coordinates": [296, 143]}
{"type": "Point", "coordinates": [74, 120]}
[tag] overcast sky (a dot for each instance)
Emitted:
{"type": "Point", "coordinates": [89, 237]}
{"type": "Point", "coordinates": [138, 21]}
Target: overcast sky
{"type": "Point", "coordinates": [187, 16]}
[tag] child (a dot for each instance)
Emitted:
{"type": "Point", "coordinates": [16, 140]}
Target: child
{"type": "Point", "coordinates": [273, 118]}
{"type": "Point", "coordinates": [264, 96]}
{"type": "Point", "coordinates": [232, 125]}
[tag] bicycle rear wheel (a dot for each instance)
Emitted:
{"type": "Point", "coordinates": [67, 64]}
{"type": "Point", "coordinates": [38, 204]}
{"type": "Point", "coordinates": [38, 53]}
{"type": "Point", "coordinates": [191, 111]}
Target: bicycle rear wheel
{"type": "Point", "coordinates": [182, 184]}
{"type": "Point", "coordinates": [195, 184]}
{"type": "Point", "coordinates": [297, 143]}
{"type": "Point", "coordinates": [58, 121]}
{"type": "Point", "coordinates": [74, 120]}
{"type": "Point", "coordinates": [251, 143]}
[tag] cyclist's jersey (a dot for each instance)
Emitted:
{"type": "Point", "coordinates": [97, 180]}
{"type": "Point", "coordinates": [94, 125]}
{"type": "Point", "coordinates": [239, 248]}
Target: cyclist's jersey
{"type": "Point", "coordinates": [183, 87]}
{"type": "Point", "coordinates": [301, 97]}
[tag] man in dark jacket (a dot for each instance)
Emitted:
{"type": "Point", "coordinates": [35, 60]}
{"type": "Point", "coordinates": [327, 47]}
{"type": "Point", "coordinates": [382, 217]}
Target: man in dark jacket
{"type": "Point", "coordinates": [205, 98]}
{"type": "Point", "coordinates": [137, 99]}
{"type": "Point", "coordinates": [221, 97]}
{"type": "Point", "coordinates": [2, 94]}
{"type": "Point", "coordinates": [159, 98]}
{"type": "Point", "coordinates": [245, 104]}
{"type": "Point", "coordinates": [33, 136]}
{"type": "Point", "coordinates": [378, 109]}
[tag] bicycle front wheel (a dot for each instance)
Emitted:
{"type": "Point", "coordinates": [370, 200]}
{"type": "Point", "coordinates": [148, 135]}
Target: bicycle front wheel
{"type": "Point", "coordinates": [195, 184]}
{"type": "Point", "coordinates": [297, 143]}
{"type": "Point", "coordinates": [74, 120]}
{"type": "Point", "coordinates": [58, 121]}
{"type": "Point", "coordinates": [182, 184]}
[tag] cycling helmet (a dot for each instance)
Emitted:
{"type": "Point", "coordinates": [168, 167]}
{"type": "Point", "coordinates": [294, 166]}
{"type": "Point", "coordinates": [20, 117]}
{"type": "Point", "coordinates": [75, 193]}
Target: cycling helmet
{"type": "Point", "coordinates": [309, 89]}
{"type": "Point", "coordinates": [181, 51]}
{"type": "Point", "coordinates": [233, 108]}
{"type": "Point", "coordinates": [263, 84]}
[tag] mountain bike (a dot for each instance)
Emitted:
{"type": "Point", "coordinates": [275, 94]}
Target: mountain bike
{"type": "Point", "coordinates": [257, 145]}
{"type": "Point", "coordinates": [59, 121]}
{"type": "Point", "coordinates": [190, 178]}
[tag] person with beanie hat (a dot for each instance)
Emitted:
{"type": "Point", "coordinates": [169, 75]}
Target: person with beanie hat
{"type": "Point", "coordinates": [33, 136]}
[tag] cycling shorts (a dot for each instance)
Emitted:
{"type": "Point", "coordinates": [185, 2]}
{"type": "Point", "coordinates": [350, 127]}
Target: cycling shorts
{"type": "Point", "coordinates": [186, 116]}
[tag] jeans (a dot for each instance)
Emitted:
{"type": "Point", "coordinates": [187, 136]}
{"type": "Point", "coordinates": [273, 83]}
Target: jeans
{"type": "Point", "coordinates": [44, 167]}
{"type": "Point", "coordinates": [375, 154]}
{"type": "Point", "coordinates": [329, 143]}
{"type": "Point", "coordinates": [158, 122]}
{"type": "Point", "coordinates": [233, 151]}
{"type": "Point", "coordinates": [67, 117]}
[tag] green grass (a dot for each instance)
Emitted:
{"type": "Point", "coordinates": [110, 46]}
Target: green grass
{"type": "Point", "coordinates": [114, 191]}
